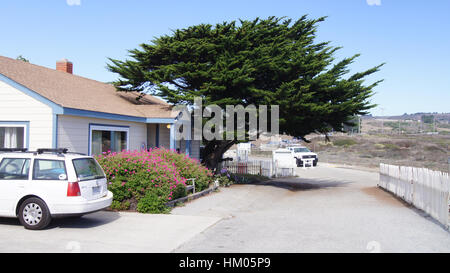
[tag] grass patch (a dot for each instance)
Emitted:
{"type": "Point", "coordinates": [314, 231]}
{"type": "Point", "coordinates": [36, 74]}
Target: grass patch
{"type": "Point", "coordinates": [344, 142]}
{"type": "Point", "coordinates": [379, 146]}
{"type": "Point", "coordinates": [391, 146]}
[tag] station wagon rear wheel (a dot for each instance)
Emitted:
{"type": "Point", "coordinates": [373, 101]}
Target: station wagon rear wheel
{"type": "Point", "coordinates": [34, 214]}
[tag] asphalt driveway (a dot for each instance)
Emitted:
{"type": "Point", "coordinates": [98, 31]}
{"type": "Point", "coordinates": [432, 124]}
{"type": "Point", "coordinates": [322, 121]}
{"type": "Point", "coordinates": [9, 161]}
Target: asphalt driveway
{"type": "Point", "coordinates": [105, 232]}
{"type": "Point", "coordinates": [326, 209]}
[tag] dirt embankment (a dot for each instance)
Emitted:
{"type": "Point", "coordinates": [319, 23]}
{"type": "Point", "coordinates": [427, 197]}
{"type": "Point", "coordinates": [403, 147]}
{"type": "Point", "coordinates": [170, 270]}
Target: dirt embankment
{"type": "Point", "coordinates": [430, 152]}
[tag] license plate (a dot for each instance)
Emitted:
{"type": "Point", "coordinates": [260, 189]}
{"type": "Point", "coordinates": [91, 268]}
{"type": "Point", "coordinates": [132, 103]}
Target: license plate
{"type": "Point", "coordinates": [96, 190]}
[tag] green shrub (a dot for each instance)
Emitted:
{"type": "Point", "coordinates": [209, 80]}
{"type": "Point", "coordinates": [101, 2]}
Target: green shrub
{"type": "Point", "coordinates": [117, 205]}
{"type": "Point", "coordinates": [152, 203]}
{"type": "Point", "coordinates": [180, 191]}
{"type": "Point", "coordinates": [224, 180]}
{"type": "Point", "coordinates": [133, 175]}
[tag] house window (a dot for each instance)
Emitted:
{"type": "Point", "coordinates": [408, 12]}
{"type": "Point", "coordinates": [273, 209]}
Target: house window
{"type": "Point", "coordinates": [108, 138]}
{"type": "Point", "coordinates": [12, 136]}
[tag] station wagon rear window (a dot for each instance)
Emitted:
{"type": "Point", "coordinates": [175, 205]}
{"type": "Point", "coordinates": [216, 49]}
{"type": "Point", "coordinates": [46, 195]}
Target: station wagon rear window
{"type": "Point", "coordinates": [45, 169]}
{"type": "Point", "coordinates": [87, 169]}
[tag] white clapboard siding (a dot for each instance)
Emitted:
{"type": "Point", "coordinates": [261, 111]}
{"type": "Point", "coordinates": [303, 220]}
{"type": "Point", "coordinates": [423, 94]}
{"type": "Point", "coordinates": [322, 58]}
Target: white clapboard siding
{"type": "Point", "coordinates": [425, 189]}
{"type": "Point", "coordinates": [17, 106]}
{"type": "Point", "coordinates": [73, 132]}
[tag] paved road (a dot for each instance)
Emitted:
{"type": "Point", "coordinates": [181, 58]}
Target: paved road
{"type": "Point", "coordinates": [105, 232]}
{"type": "Point", "coordinates": [326, 209]}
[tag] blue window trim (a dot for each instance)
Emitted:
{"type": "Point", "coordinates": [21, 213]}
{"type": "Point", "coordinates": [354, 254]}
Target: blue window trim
{"type": "Point", "coordinates": [105, 125]}
{"type": "Point", "coordinates": [188, 147]}
{"type": "Point", "coordinates": [55, 131]}
{"type": "Point", "coordinates": [173, 143]}
{"type": "Point", "coordinates": [22, 123]}
{"type": "Point", "coordinates": [160, 120]}
{"type": "Point", "coordinates": [109, 125]}
{"type": "Point", "coordinates": [102, 115]}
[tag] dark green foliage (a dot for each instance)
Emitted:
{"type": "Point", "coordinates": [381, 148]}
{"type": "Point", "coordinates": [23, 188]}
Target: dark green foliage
{"type": "Point", "coordinates": [21, 58]}
{"type": "Point", "coordinates": [275, 61]}
{"type": "Point", "coordinates": [179, 191]}
{"type": "Point", "coordinates": [152, 203]}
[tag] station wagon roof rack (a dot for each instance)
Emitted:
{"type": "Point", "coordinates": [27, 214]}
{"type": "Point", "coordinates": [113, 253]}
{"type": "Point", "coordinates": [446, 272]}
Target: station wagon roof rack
{"type": "Point", "coordinates": [74, 153]}
{"type": "Point", "coordinates": [59, 151]}
{"type": "Point", "coordinates": [10, 150]}
{"type": "Point", "coordinates": [48, 150]}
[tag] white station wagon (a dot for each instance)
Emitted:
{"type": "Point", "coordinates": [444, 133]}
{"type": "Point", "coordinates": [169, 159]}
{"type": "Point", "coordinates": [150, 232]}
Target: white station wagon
{"type": "Point", "coordinates": [38, 186]}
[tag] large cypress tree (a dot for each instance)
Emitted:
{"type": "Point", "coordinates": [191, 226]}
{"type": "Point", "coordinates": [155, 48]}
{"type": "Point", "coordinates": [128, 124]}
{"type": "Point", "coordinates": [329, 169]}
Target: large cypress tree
{"type": "Point", "coordinates": [275, 61]}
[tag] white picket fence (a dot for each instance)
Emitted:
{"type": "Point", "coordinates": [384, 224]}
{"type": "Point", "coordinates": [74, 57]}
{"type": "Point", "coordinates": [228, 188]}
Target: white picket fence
{"type": "Point", "coordinates": [423, 188]}
{"type": "Point", "coordinates": [258, 167]}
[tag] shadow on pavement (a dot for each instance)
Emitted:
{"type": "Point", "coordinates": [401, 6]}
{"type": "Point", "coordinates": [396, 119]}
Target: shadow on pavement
{"type": "Point", "coordinates": [86, 221]}
{"type": "Point", "coordinates": [300, 184]}
{"type": "Point", "coordinates": [10, 221]}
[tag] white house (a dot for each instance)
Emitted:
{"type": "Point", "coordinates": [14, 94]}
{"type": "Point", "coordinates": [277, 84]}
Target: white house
{"type": "Point", "coordinates": [48, 108]}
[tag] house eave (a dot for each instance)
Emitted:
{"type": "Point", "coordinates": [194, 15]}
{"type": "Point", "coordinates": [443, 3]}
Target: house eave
{"type": "Point", "coordinates": [60, 110]}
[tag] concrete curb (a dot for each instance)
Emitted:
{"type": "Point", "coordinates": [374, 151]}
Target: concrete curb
{"type": "Point", "coordinates": [191, 197]}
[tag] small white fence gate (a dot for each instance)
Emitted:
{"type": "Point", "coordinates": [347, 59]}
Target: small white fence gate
{"type": "Point", "coordinates": [258, 167]}
{"type": "Point", "coordinates": [425, 189]}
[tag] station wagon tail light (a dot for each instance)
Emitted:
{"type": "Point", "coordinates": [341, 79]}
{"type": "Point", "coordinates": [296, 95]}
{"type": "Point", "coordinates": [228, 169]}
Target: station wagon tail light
{"type": "Point", "coordinates": [73, 189]}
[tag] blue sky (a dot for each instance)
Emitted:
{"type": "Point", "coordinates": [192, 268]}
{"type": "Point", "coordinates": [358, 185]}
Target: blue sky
{"type": "Point", "coordinates": [411, 37]}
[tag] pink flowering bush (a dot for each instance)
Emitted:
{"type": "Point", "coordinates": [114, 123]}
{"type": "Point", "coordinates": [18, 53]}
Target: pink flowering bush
{"type": "Point", "coordinates": [146, 180]}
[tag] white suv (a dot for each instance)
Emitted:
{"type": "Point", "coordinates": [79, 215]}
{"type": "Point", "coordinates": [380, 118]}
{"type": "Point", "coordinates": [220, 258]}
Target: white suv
{"type": "Point", "coordinates": [38, 186]}
{"type": "Point", "coordinates": [302, 153]}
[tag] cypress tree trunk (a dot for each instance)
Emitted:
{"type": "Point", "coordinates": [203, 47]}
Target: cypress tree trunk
{"type": "Point", "coordinates": [213, 152]}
